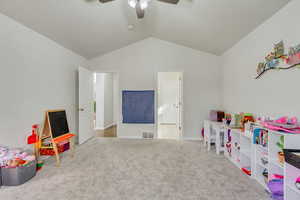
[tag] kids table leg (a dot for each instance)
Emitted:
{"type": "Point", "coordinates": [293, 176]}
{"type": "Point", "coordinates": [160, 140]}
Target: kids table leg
{"type": "Point", "coordinates": [218, 140]}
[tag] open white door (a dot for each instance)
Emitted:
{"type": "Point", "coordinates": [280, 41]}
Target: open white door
{"type": "Point", "coordinates": [86, 130]}
{"type": "Point", "coordinates": [169, 105]}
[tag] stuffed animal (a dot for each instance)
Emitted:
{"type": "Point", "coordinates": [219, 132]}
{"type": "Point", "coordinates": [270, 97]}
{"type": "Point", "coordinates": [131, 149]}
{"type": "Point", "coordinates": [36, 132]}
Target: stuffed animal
{"type": "Point", "coordinates": [297, 183]}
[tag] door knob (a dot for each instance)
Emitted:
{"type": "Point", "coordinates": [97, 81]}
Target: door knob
{"type": "Point", "coordinates": [81, 109]}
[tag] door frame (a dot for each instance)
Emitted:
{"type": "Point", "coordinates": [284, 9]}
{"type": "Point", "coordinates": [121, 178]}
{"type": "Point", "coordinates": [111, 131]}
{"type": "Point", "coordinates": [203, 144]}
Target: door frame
{"type": "Point", "coordinates": [119, 93]}
{"type": "Point", "coordinates": [180, 104]}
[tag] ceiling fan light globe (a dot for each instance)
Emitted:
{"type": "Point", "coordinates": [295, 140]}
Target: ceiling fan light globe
{"type": "Point", "coordinates": [132, 3]}
{"type": "Point", "coordinates": [144, 4]}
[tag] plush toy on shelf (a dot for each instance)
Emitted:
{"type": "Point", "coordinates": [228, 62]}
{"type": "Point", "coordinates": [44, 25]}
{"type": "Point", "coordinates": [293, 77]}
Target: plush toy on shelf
{"type": "Point", "coordinates": [283, 124]}
{"type": "Point", "coordinates": [280, 145]}
{"type": "Point", "coordinates": [246, 117]}
{"type": "Point", "coordinates": [297, 183]}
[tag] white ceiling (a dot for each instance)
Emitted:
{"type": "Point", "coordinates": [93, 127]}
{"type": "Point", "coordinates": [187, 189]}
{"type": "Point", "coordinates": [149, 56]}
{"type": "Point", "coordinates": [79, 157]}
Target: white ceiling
{"type": "Point", "coordinates": [92, 29]}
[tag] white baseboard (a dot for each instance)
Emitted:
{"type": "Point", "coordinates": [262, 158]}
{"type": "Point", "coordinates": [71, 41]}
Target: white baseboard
{"type": "Point", "coordinates": [137, 137]}
{"type": "Point", "coordinates": [192, 138]}
{"type": "Point", "coordinates": [129, 137]}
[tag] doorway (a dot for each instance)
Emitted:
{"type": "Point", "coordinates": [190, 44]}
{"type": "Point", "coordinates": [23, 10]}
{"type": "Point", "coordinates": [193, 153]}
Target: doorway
{"type": "Point", "coordinates": [169, 110]}
{"type": "Point", "coordinates": [106, 104]}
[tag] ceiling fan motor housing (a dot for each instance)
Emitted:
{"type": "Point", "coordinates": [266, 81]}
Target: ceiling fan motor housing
{"type": "Point", "coordinates": [166, 1]}
{"type": "Point", "coordinates": [105, 1]}
{"type": "Point", "coordinates": [170, 1]}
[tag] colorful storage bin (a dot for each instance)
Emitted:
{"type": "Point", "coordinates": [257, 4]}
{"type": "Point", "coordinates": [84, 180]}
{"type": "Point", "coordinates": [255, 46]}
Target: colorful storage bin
{"type": "Point", "coordinates": [62, 147]}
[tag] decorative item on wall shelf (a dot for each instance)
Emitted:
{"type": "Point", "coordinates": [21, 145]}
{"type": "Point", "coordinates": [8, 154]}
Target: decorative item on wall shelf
{"type": "Point", "coordinates": [277, 57]}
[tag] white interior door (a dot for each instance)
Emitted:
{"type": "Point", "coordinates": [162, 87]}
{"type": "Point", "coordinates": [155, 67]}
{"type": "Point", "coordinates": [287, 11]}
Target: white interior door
{"type": "Point", "coordinates": [169, 105]}
{"type": "Point", "coordinates": [86, 130]}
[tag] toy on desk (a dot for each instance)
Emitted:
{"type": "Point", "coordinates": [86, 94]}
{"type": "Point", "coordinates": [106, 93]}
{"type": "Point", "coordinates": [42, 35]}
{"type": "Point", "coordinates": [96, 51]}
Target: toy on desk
{"type": "Point", "coordinates": [236, 121]}
{"type": "Point", "coordinates": [246, 117]}
{"type": "Point", "coordinates": [283, 124]}
{"type": "Point", "coordinates": [227, 119]}
{"type": "Point", "coordinates": [216, 115]}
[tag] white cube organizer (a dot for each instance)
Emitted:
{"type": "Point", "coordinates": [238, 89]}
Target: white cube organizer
{"type": "Point", "coordinates": [241, 149]}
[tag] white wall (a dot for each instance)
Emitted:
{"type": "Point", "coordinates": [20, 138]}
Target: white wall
{"type": "Point", "coordinates": [138, 65]}
{"type": "Point", "coordinates": [36, 74]}
{"type": "Point", "coordinates": [105, 101]}
{"type": "Point", "coordinates": [276, 92]}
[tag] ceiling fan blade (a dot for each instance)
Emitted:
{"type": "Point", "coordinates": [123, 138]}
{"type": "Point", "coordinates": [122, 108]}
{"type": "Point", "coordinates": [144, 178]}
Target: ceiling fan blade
{"type": "Point", "coordinates": [170, 1]}
{"type": "Point", "coordinates": [139, 11]}
{"type": "Point", "coordinates": [105, 1]}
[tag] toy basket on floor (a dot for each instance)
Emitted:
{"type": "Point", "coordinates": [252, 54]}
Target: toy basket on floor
{"type": "Point", "coordinates": [62, 147]}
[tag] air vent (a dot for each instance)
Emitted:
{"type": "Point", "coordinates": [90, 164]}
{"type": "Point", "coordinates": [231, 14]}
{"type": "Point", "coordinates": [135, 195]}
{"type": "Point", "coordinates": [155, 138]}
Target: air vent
{"type": "Point", "coordinates": [148, 135]}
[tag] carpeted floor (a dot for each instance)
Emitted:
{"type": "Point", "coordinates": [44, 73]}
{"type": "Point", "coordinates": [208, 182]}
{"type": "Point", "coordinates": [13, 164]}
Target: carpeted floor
{"type": "Point", "coordinates": [115, 169]}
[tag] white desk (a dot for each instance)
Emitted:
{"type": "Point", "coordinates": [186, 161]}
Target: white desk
{"type": "Point", "coordinates": [218, 128]}
{"type": "Point", "coordinates": [214, 132]}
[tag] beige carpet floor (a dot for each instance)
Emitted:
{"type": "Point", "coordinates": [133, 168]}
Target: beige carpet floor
{"type": "Point", "coordinates": [115, 169]}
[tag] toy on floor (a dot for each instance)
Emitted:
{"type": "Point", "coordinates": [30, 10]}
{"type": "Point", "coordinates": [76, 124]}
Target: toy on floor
{"type": "Point", "coordinates": [39, 165]}
{"type": "Point", "coordinates": [11, 158]}
{"type": "Point", "coordinates": [34, 139]}
{"type": "Point", "coordinates": [247, 170]}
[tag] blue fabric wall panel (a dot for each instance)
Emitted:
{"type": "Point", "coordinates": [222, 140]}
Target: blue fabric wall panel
{"type": "Point", "coordinates": [138, 107]}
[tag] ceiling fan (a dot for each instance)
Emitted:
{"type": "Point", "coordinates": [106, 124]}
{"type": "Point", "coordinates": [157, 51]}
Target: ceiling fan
{"type": "Point", "coordinates": [141, 5]}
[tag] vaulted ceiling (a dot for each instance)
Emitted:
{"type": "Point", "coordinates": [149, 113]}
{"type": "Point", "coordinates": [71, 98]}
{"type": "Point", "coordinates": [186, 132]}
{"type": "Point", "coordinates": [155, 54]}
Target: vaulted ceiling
{"type": "Point", "coordinates": [92, 29]}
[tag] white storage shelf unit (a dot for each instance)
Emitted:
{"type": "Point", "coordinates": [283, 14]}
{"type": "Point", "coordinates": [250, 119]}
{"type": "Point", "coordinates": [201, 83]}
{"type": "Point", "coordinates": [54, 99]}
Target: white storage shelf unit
{"type": "Point", "coordinates": [291, 173]}
{"type": "Point", "coordinates": [240, 145]}
{"type": "Point", "coordinates": [273, 165]}
{"type": "Point", "coordinates": [246, 153]}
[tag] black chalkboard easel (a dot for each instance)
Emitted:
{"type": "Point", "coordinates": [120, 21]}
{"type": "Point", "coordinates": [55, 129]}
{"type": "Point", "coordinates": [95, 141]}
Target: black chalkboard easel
{"type": "Point", "coordinates": [56, 128]}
